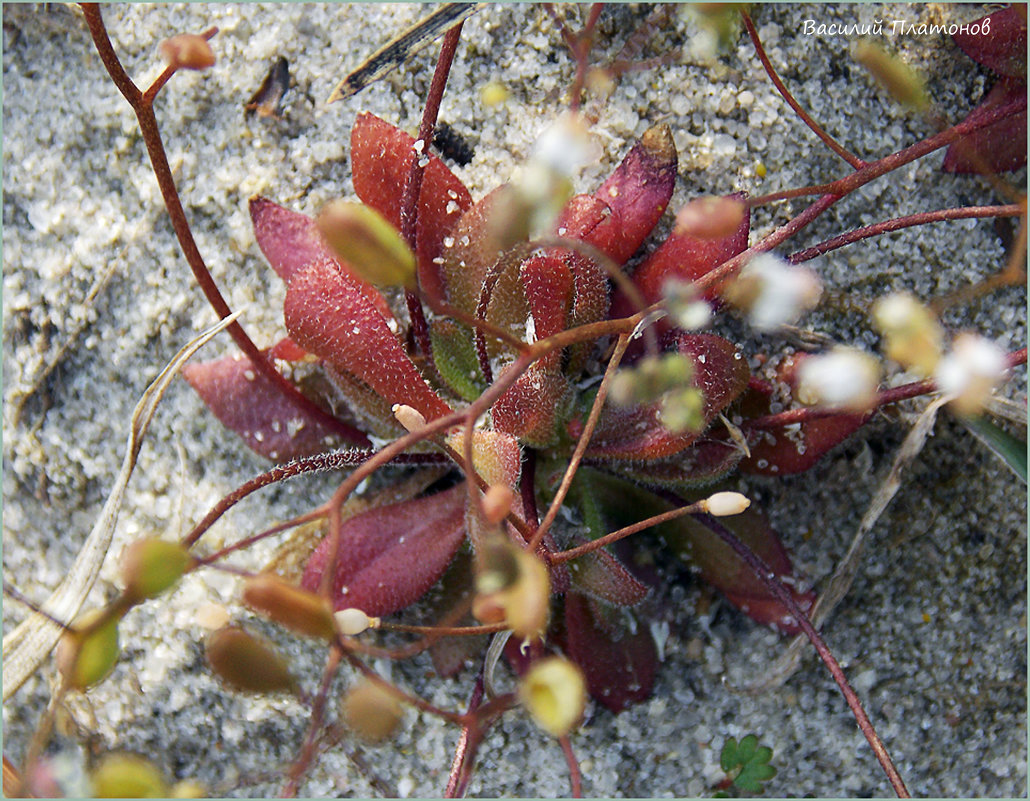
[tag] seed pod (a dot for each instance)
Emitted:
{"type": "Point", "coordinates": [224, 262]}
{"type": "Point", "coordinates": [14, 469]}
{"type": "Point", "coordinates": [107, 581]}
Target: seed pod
{"type": "Point", "coordinates": [554, 693]}
{"type": "Point", "coordinates": [187, 51]}
{"type": "Point", "coordinates": [127, 776]}
{"type": "Point", "coordinates": [151, 565]}
{"type": "Point", "coordinates": [914, 338]}
{"type": "Point", "coordinates": [369, 245]}
{"type": "Point", "coordinates": [297, 609]}
{"type": "Point", "coordinates": [497, 503]}
{"type": "Point", "coordinates": [246, 662]}
{"type": "Point", "coordinates": [710, 217]}
{"type": "Point", "coordinates": [86, 653]}
{"type": "Point", "coordinates": [904, 83]}
{"type": "Point", "coordinates": [511, 579]}
{"type": "Point", "coordinates": [371, 711]}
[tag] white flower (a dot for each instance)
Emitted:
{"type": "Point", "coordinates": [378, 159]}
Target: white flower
{"type": "Point", "coordinates": [844, 377]}
{"type": "Point", "coordinates": [970, 371]}
{"type": "Point", "coordinates": [565, 146]}
{"type": "Point", "coordinates": [775, 292]}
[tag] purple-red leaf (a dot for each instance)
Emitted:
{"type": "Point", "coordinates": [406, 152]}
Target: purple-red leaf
{"type": "Point", "coordinates": [727, 572]}
{"type": "Point", "coordinates": [999, 147]}
{"type": "Point", "coordinates": [291, 241]}
{"type": "Point", "coordinates": [534, 407]}
{"type": "Point", "coordinates": [619, 666]}
{"type": "Point", "coordinates": [329, 314]}
{"type": "Point", "coordinates": [600, 575]}
{"type": "Point", "coordinates": [247, 402]}
{"type": "Point", "coordinates": [999, 42]}
{"type": "Point", "coordinates": [391, 555]}
{"type": "Point", "coordinates": [381, 157]}
{"type": "Point", "coordinates": [686, 258]}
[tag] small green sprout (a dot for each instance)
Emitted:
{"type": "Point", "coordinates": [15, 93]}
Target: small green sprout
{"type": "Point", "coordinates": [746, 764]}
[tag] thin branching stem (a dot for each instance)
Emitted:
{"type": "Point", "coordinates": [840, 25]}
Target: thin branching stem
{"type": "Point", "coordinates": [777, 588]}
{"type": "Point", "coordinates": [575, 776]}
{"type": "Point", "coordinates": [142, 106]}
{"type": "Point", "coordinates": [310, 745]}
{"type": "Point", "coordinates": [817, 129]}
{"type": "Point", "coordinates": [581, 445]}
{"type": "Point", "coordinates": [413, 185]}
{"type": "Point", "coordinates": [899, 223]}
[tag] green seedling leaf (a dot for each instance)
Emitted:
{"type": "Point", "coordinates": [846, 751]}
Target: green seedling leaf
{"type": "Point", "coordinates": [1010, 449]}
{"type": "Point", "coordinates": [747, 763]}
{"type": "Point", "coordinates": [455, 357]}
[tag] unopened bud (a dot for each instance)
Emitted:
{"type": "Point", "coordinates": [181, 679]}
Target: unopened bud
{"type": "Point", "coordinates": [725, 504]}
{"type": "Point", "coordinates": [371, 711]}
{"type": "Point", "coordinates": [970, 372]}
{"type": "Point", "coordinates": [88, 651]}
{"type": "Point", "coordinates": [554, 693]}
{"type": "Point", "coordinates": [353, 621]}
{"type": "Point", "coordinates": [247, 662]}
{"type": "Point", "coordinates": [904, 83]}
{"type": "Point", "coordinates": [683, 410]}
{"type": "Point", "coordinates": [412, 419]}
{"type": "Point", "coordinates": [710, 217]}
{"type": "Point", "coordinates": [150, 566]}
{"type": "Point", "coordinates": [371, 247]}
{"type": "Point", "coordinates": [497, 503]}
{"type": "Point", "coordinates": [187, 51]}
{"type": "Point", "coordinates": [127, 776]}
{"type": "Point", "coordinates": [297, 609]}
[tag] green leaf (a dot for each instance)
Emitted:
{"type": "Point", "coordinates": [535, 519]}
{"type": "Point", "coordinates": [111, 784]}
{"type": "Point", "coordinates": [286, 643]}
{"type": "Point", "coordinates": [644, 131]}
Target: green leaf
{"type": "Point", "coordinates": [455, 356]}
{"type": "Point", "coordinates": [728, 757]}
{"type": "Point", "coordinates": [1010, 449]}
{"type": "Point", "coordinates": [746, 749]}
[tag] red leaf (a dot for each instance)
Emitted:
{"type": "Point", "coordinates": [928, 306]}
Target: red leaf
{"type": "Point", "coordinates": [687, 258]}
{"type": "Point", "coordinates": [534, 407]}
{"type": "Point", "coordinates": [329, 314]}
{"type": "Point", "coordinates": [291, 241]}
{"type": "Point", "coordinates": [1000, 147]}
{"type": "Point", "coordinates": [391, 555]}
{"type": "Point", "coordinates": [796, 448]}
{"type": "Point", "coordinates": [548, 283]}
{"type": "Point", "coordinates": [380, 163]}
{"type": "Point", "coordinates": [1002, 47]}
{"type": "Point", "coordinates": [721, 567]}
{"type": "Point", "coordinates": [600, 575]}
{"type": "Point", "coordinates": [619, 666]}
{"type": "Point", "coordinates": [636, 432]}
{"type": "Point", "coordinates": [247, 402]}
{"type": "Point", "coordinates": [635, 195]}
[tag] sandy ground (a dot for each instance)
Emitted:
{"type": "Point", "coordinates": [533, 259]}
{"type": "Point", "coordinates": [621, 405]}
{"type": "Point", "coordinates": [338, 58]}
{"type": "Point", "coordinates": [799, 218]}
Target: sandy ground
{"type": "Point", "coordinates": [97, 298]}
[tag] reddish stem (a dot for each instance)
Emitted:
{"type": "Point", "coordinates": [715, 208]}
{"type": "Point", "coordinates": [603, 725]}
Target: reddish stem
{"type": "Point", "coordinates": [309, 747]}
{"type": "Point", "coordinates": [142, 106]}
{"type": "Point", "coordinates": [464, 751]}
{"type": "Point", "coordinates": [883, 398]}
{"type": "Point", "coordinates": [828, 140]}
{"type": "Point", "coordinates": [898, 223]}
{"type": "Point", "coordinates": [413, 186]}
{"type": "Point", "coordinates": [775, 586]}
{"type": "Point", "coordinates": [575, 776]}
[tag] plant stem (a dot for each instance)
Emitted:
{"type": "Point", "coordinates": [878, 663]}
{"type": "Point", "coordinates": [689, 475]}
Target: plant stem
{"type": "Point", "coordinates": [828, 140]}
{"type": "Point", "coordinates": [765, 574]}
{"type": "Point", "coordinates": [413, 185]}
{"type": "Point", "coordinates": [898, 223]}
{"type": "Point", "coordinates": [142, 106]}
{"type": "Point", "coordinates": [308, 748]}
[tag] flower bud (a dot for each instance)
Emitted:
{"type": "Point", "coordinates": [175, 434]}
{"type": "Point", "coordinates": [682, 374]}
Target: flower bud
{"type": "Point", "coordinates": [127, 776]}
{"type": "Point", "coordinates": [352, 622]}
{"type": "Point", "coordinates": [247, 662]}
{"type": "Point", "coordinates": [773, 292]}
{"type": "Point", "coordinates": [724, 504]}
{"type": "Point", "coordinates": [87, 652]}
{"type": "Point", "coordinates": [412, 419]}
{"type": "Point", "coordinates": [151, 565]}
{"type": "Point", "coordinates": [187, 51]}
{"type": "Point", "coordinates": [497, 503]}
{"type": "Point", "coordinates": [683, 410]}
{"type": "Point", "coordinates": [370, 246]}
{"type": "Point", "coordinates": [970, 372]}
{"type": "Point", "coordinates": [710, 217]}
{"type": "Point", "coordinates": [554, 693]}
{"type": "Point", "coordinates": [371, 711]}
{"type": "Point", "coordinates": [297, 609]}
